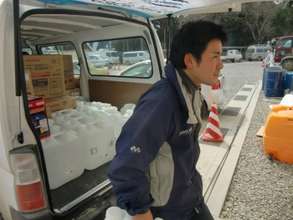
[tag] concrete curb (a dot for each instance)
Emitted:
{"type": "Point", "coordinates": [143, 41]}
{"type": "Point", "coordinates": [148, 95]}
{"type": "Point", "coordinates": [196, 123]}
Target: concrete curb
{"type": "Point", "coordinates": [218, 194]}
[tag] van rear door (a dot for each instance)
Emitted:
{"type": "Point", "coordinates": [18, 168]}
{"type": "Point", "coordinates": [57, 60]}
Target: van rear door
{"type": "Point", "coordinates": [43, 26]}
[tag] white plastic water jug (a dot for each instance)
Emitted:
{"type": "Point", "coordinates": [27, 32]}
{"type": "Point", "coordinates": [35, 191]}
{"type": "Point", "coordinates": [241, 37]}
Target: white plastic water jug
{"type": "Point", "coordinates": [60, 151]}
{"type": "Point", "coordinates": [100, 104]}
{"type": "Point", "coordinates": [62, 116]}
{"type": "Point", "coordinates": [116, 120]}
{"type": "Point", "coordinates": [97, 144]}
{"type": "Point", "coordinates": [126, 107]}
{"type": "Point", "coordinates": [55, 129]}
{"type": "Point", "coordinates": [115, 213]}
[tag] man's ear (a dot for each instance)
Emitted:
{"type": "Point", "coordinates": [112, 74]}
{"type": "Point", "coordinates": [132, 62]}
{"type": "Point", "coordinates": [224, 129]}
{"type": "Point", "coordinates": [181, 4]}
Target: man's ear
{"type": "Point", "coordinates": [188, 60]}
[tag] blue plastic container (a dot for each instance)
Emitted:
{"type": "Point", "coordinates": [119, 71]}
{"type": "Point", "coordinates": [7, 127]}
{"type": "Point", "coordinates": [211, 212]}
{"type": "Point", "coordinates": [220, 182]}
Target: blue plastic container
{"type": "Point", "coordinates": [288, 81]}
{"type": "Point", "coordinates": [274, 82]}
{"type": "Point", "coordinates": [263, 79]}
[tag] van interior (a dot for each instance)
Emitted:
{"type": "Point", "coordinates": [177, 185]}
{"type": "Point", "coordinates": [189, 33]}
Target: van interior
{"type": "Point", "coordinates": [85, 114]}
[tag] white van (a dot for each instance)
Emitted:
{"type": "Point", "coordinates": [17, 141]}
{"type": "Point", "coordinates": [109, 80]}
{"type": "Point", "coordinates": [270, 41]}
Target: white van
{"type": "Point", "coordinates": [256, 52]}
{"type": "Point", "coordinates": [231, 55]}
{"type": "Point", "coordinates": [53, 178]}
{"type": "Point", "coordinates": [64, 175]}
{"type": "Point", "coordinates": [132, 57]}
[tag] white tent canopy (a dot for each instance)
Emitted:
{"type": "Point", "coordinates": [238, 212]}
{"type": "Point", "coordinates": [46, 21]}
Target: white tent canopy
{"type": "Point", "coordinates": [155, 8]}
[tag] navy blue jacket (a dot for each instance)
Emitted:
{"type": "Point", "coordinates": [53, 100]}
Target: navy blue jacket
{"type": "Point", "coordinates": [157, 151]}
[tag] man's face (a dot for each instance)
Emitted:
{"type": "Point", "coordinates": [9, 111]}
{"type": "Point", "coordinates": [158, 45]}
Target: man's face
{"type": "Point", "coordinates": [206, 71]}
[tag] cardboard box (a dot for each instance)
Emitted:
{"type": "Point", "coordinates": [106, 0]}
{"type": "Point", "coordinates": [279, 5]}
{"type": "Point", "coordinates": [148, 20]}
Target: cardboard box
{"type": "Point", "coordinates": [73, 92]}
{"type": "Point", "coordinates": [52, 65]}
{"type": "Point", "coordinates": [59, 103]}
{"type": "Point", "coordinates": [45, 75]}
{"type": "Point", "coordinates": [43, 85]}
{"type": "Point", "coordinates": [67, 64]}
{"type": "Point", "coordinates": [69, 82]}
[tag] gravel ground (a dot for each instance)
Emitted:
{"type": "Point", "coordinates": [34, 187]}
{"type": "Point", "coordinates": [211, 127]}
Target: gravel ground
{"type": "Point", "coordinates": [261, 189]}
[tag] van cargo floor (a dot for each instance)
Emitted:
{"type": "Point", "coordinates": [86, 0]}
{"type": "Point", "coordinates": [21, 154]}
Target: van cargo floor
{"type": "Point", "coordinates": [79, 186]}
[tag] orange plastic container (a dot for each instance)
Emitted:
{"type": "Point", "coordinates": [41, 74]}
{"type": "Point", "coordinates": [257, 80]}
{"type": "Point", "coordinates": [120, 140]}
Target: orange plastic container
{"type": "Point", "coordinates": [278, 134]}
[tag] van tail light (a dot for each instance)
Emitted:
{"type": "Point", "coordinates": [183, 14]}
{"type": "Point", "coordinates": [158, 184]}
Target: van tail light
{"type": "Point", "coordinates": [216, 85]}
{"type": "Point", "coordinates": [28, 185]}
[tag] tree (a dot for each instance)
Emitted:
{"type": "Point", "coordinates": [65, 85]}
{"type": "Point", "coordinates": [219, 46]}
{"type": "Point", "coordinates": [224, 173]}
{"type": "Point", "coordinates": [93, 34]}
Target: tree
{"type": "Point", "coordinates": [257, 18]}
{"type": "Point", "coordinates": [252, 25]}
{"type": "Point", "coordinates": [282, 21]}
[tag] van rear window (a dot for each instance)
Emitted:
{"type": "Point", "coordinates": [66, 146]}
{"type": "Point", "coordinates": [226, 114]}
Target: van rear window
{"type": "Point", "coordinates": [118, 57]}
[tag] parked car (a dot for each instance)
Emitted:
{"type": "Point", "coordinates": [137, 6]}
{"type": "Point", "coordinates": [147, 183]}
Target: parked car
{"type": "Point", "coordinates": [284, 47]}
{"type": "Point", "coordinates": [96, 60]}
{"type": "Point", "coordinates": [141, 69]}
{"type": "Point", "coordinates": [113, 56]}
{"type": "Point", "coordinates": [132, 57]}
{"type": "Point", "coordinates": [256, 52]}
{"type": "Point", "coordinates": [231, 55]}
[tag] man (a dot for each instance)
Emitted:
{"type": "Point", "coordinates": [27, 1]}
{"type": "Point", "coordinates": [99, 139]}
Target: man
{"type": "Point", "coordinates": [269, 59]}
{"type": "Point", "coordinates": [153, 173]}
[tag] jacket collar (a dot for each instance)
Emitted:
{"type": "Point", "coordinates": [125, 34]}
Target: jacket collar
{"type": "Point", "coordinates": [185, 90]}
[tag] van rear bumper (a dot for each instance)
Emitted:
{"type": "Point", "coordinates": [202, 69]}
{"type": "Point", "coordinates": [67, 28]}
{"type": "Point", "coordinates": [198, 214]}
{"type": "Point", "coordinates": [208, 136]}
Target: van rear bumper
{"type": "Point", "coordinates": [94, 209]}
{"type": "Point", "coordinates": [46, 215]}
{"type": "Point", "coordinates": [41, 215]}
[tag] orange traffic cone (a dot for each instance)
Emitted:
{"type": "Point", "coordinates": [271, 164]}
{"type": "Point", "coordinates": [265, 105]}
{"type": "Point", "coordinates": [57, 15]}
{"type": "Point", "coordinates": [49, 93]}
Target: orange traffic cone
{"type": "Point", "coordinates": [212, 132]}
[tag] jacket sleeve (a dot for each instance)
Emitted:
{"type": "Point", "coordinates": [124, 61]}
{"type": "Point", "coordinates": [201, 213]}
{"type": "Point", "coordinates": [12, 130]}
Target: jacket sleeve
{"type": "Point", "coordinates": [138, 144]}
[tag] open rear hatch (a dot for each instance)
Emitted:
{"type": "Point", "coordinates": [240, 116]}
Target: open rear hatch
{"type": "Point", "coordinates": [70, 184]}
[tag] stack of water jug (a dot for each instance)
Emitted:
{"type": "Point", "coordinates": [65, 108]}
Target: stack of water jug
{"type": "Point", "coordinates": [82, 138]}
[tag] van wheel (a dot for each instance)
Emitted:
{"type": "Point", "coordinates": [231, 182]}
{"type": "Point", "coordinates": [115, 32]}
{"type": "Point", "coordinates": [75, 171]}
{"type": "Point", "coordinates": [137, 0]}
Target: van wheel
{"type": "Point", "coordinates": [204, 110]}
{"type": "Point", "coordinates": [233, 60]}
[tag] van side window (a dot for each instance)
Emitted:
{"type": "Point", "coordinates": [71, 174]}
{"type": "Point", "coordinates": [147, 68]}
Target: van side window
{"type": "Point", "coordinates": [65, 48]}
{"type": "Point", "coordinates": [250, 50]}
{"type": "Point", "coordinates": [127, 57]}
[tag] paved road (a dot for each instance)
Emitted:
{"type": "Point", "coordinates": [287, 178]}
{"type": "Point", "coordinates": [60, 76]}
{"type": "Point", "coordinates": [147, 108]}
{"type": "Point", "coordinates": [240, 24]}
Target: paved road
{"type": "Point", "coordinates": [238, 74]}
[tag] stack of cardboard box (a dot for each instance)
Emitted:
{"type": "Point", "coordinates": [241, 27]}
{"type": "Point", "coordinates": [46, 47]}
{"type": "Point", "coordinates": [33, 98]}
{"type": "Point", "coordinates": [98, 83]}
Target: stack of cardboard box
{"type": "Point", "coordinates": [50, 76]}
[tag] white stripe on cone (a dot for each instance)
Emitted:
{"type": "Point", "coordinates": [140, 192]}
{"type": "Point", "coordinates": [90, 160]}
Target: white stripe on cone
{"type": "Point", "coordinates": [207, 136]}
{"type": "Point", "coordinates": [214, 116]}
{"type": "Point", "coordinates": [214, 128]}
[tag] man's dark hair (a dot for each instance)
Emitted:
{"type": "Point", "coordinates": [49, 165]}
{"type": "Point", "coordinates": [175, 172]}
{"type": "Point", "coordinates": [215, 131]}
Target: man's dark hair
{"type": "Point", "coordinates": [193, 37]}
